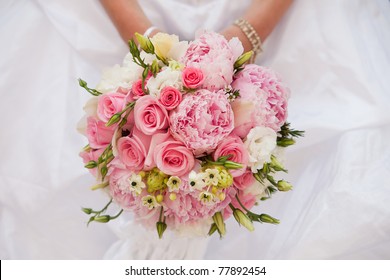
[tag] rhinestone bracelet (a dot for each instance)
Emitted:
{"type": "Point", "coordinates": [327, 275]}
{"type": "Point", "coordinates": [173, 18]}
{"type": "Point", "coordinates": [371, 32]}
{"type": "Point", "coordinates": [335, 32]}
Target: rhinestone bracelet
{"type": "Point", "coordinates": [252, 36]}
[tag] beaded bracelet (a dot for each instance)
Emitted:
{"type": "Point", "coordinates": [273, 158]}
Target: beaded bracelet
{"type": "Point", "coordinates": [252, 36]}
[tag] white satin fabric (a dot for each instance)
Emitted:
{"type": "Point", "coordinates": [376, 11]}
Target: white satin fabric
{"type": "Point", "coordinates": [333, 54]}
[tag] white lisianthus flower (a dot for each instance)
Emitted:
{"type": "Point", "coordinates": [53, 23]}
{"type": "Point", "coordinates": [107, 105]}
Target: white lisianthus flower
{"type": "Point", "coordinates": [258, 189]}
{"type": "Point", "coordinates": [115, 77]}
{"type": "Point", "coordinates": [91, 106]}
{"type": "Point", "coordinates": [178, 50]}
{"type": "Point", "coordinates": [163, 43]}
{"type": "Point", "coordinates": [90, 109]}
{"type": "Point", "coordinates": [166, 77]}
{"type": "Point", "coordinates": [260, 143]}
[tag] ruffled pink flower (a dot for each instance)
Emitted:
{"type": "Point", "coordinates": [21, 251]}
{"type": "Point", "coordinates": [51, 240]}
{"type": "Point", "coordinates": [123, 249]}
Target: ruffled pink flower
{"type": "Point", "coordinates": [192, 77]}
{"type": "Point", "coordinates": [173, 158]}
{"type": "Point", "coordinates": [186, 208]}
{"type": "Point", "coordinates": [98, 134]}
{"type": "Point", "coordinates": [262, 102]}
{"type": "Point", "coordinates": [233, 146]}
{"type": "Point", "coordinates": [119, 191]}
{"type": "Point", "coordinates": [150, 116]}
{"type": "Point", "coordinates": [215, 56]}
{"type": "Point", "coordinates": [202, 120]}
{"type": "Point", "coordinates": [170, 97]}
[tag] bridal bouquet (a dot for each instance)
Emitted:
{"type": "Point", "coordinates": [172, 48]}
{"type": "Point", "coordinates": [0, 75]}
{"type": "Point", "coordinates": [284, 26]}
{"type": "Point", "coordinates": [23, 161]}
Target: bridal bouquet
{"type": "Point", "coordinates": [186, 134]}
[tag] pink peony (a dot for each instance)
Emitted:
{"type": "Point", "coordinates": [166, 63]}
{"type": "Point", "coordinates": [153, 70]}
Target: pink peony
{"type": "Point", "coordinates": [132, 150]}
{"type": "Point", "coordinates": [173, 158]}
{"type": "Point", "coordinates": [262, 102]}
{"type": "Point", "coordinates": [186, 208]}
{"type": "Point", "coordinates": [170, 97]}
{"type": "Point", "coordinates": [233, 146]}
{"type": "Point", "coordinates": [150, 116]}
{"type": "Point", "coordinates": [98, 134]}
{"type": "Point", "coordinates": [119, 191]}
{"type": "Point", "coordinates": [192, 77]}
{"type": "Point", "coordinates": [215, 56]}
{"type": "Point", "coordinates": [202, 120]}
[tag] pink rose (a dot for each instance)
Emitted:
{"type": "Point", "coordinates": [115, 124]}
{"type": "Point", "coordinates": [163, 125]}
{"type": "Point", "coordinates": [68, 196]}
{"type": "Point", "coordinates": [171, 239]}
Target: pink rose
{"type": "Point", "coordinates": [110, 104]}
{"type": "Point", "coordinates": [150, 116]}
{"type": "Point", "coordinates": [268, 95]}
{"type": "Point", "coordinates": [170, 97]}
{"type": "Point", "coordinates": [233, 146]}
{"type": "Point", "coordinates": [92, 154]}
{"type": "Point", "coordinates": [132, 150]}
{"type": "Point", "coordinates": [136, 89]}
{"type": "Point", "coordinates": [245, 180]}
{"type": "Point", "coordinates": [192, 77]}
{"type": "Point", "coordinates": [202, 120]}
{"type": "Point", "coordinates": [98, 134]}
{"type": "Point", "coordinates": [173, 158]}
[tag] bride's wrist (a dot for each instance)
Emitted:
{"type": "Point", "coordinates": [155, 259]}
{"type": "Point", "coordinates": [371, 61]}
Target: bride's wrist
{"type": "Point", "coordinates": [235, 31]}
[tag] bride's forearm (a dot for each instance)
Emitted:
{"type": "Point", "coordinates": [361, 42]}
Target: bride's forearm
{"type": "Point", "coordinates": [263, 15]}
{"type": "Point", "coordinates": [127, 16]}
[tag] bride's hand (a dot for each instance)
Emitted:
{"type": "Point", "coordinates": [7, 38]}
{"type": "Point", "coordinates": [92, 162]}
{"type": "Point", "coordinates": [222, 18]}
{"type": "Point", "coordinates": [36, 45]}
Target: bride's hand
{"type": "Point", "coordinates": [128, 18]}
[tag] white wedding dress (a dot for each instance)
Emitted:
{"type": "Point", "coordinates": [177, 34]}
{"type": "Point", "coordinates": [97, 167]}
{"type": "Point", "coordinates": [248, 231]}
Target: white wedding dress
{"type": "Point", "coordinates": [333, 54]}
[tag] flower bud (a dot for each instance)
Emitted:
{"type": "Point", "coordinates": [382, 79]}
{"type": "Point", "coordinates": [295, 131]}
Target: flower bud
{"type": "Point", "coordinates": [159, 198]}
{"type": "Point", "coordinates": [225, 180]}
{"type": "Point", "coordinates": [161, 227]}
{"type": "Point", "coordinates": [155, 180]}
{"type": "Point", "coordinates": [145, 43]}
{"type": "Point", "coordinates": [213, 228]}
{"type": "Point", "coordinates": [232, 165]}
{"type": "Point", "coordinates": [286, 142]}
{"type": "Point", "coordinates": [104, 171]}
{"type": "Point", "coordinates": [242, 59]}
{"type": "Point", "coordinates": [268, 219]}
{"type": "Point", "coordinates": [218, 220]}
{"type": "Point", "coordinates": [155, 68]}
{"type": "Point", "coordinates": [284, 186]}
{"type": "Point", "coordinates": [114, 119]}
{"type": "Point", "coordinates": [102, 219]}
{"type": "Point", "coordinates": [276, 164]}
{"type": "Point", "coordinates": [172, 196]}
{"type": "Point", "coordinates": [82, 83]}
{"type": "Point", "coordinates": [87, 210]}
{"type": "Point", "coordinates": [91, 164]}
{"type": "Point", "coordinates": [243, 219]}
